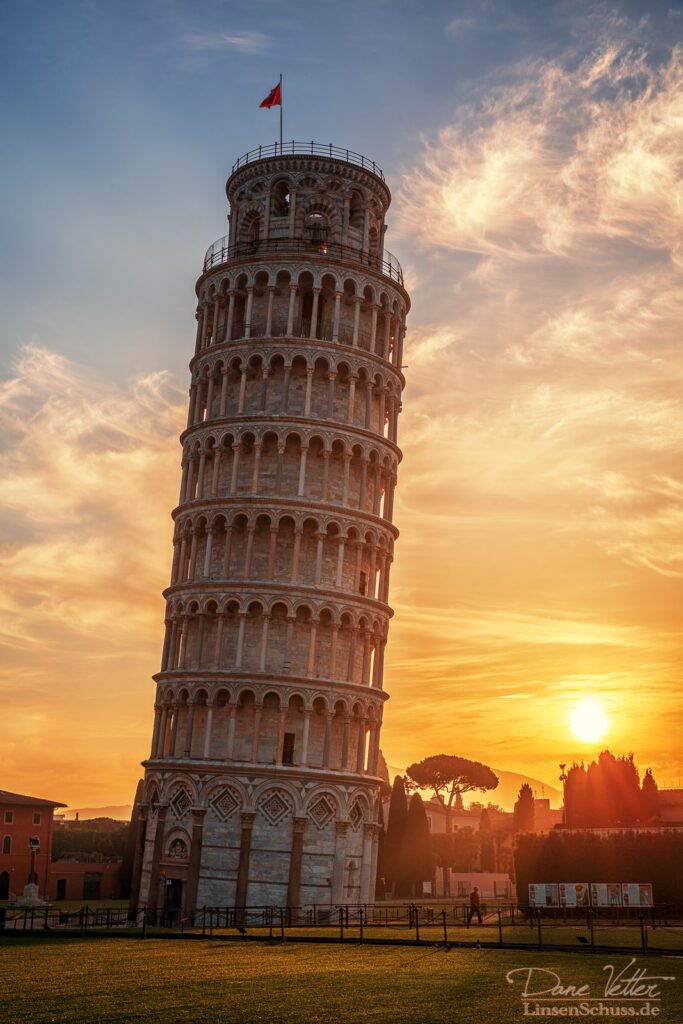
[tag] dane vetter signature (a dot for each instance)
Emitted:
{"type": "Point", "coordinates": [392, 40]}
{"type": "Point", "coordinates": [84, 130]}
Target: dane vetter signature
{"type": "Point", "coordinates": [630, 983]}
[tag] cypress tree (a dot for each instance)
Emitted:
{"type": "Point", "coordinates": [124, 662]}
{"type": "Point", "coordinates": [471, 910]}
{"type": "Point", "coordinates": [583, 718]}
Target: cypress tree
{"type": "Point", "coordinates": [396, 828]}
{"type": "Point", "coordinates": [524, 810]}
{"type": "Point", "coordinates": [418, 861]}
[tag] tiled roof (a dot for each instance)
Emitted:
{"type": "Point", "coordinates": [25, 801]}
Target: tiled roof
{"type": "Point", "coordinates": [29, 801]}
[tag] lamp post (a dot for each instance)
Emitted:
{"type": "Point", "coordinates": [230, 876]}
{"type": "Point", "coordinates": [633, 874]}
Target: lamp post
{"type": "Point", "coordinates": [34, 847]}
{"type": "Point", "coordinates": [563, 780]}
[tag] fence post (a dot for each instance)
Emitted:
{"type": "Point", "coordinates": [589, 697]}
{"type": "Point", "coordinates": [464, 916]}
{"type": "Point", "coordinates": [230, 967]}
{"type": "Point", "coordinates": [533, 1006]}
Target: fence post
{"type": "Point", "coordinates": [643, 933]}
{"type": "Point", "coordinates": [203, 920]}
{"type": "Point", "coordinates": [590, 925]}
{"type": "Point", "coordinates": [445, 929]}
{"type": "Point", "coordinates": [341, 923]}
{"type": "Point", "coordinates": [282, 925]}
{"type": "Point", "coordinates": [360, 916]}
{"type": "Point", "coordinates": [500, 927]}
{"type": "Point", "coordinates": [417, 925]}
{"type": "Point", "coordinates": [538, 925]}
{"type": "Point", "coordinates": [144, 922]}
{"type": "Point", "coordinates": [210, 922]}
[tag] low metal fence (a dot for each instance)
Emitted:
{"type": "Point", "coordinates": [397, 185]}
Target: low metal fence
{"type": "Point", "coordinates": [502, 924]}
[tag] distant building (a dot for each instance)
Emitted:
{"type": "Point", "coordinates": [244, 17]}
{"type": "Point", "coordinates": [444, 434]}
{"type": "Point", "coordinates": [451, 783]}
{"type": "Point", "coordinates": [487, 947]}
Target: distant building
{"type": "Point", "coordinates": [545, 817]}
{"type": "Point", "coordinates": [23, 819]}
{"type": "Point", "coordinates": [671, 806]}
{"type": "Point", "coordinates": [26, 818]}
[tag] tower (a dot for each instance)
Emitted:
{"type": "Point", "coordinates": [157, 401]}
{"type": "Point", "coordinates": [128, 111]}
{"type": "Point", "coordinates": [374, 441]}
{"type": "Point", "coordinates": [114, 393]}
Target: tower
{"type": "Point", "coordinates": [261, 787]}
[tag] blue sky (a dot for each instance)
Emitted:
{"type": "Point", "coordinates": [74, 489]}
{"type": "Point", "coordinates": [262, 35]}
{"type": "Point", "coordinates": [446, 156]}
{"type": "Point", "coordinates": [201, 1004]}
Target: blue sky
{"type": "Point", "coordinates": [534, 151]}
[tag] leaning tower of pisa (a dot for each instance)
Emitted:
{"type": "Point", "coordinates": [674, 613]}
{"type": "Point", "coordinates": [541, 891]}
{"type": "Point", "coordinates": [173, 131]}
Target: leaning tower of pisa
{"type": "Point", "coordinates": [262, 783]}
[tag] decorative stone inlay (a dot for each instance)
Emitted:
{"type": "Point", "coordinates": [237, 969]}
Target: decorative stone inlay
{"type": "Point", "coordinates": [224, 802]}
{"type": "Point", "coordinates": [178, 850]}
{"type": "Point", "coordinates": [181, 801]}
{"type": "Point", "coordinates": [275, 807]}
{"type": "Point", "coordinates": [356, 814]}
{"type": "Point", "coordinates": [321, 811]}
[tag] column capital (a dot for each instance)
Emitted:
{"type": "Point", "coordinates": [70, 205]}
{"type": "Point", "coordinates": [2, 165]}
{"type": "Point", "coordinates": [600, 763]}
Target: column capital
{"type": "Point", "coordinates": [247, 819]}
{"type": "Point", "coordinates": [341, 828]}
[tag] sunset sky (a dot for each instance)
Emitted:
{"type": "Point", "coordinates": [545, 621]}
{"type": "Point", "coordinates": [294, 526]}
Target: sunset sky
{"type": "Point", "coordinates": [534, 151]}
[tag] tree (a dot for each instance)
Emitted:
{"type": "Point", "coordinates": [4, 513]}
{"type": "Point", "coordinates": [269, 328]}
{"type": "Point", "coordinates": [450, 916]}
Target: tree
{"type": "Point", "coordinates": [418, 859]}
{"type": "Point", "coordinates": [396, 828]}
{"type": "Point", "coordinates": [486, 847]}
{"type": "Point", "coordinates": [447, 775]}
{"type": "Point", "coordinates": [649, 797]}
{"type": "Point", "coordinates": [524, 810]}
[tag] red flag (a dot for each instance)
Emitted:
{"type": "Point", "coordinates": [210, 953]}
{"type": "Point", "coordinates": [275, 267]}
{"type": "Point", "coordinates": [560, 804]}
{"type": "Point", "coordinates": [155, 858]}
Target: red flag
{"type": "Point", "coordinates": [274, 98]}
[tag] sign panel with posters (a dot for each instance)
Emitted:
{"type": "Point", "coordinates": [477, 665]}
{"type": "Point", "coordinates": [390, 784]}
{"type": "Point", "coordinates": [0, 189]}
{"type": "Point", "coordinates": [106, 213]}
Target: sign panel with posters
{"type": "Point", "coordinates": [543, 894]}
{"type": "Point", "coordinates": [636, 894]}
{"type": "Point", "coordinates": [574, 894]}
{"type": "Point", "coordinates": [606, 894]}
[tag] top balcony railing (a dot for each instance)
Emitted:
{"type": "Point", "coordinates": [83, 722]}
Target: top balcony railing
{"type": "Point", "coordinates": [221, 252]}
{"type": "Point", "coordinates": [308, 149]}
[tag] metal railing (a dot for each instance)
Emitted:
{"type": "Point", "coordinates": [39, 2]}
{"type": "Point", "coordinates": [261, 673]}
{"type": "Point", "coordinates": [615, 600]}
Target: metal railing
{"type": "Point", "coordinates": [309, 149]}
{"type": "Point", "coordinates": [221, 252]}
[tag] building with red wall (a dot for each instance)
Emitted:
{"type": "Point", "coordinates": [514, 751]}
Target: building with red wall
{"type": "Point", "coordinates": [22, 819]}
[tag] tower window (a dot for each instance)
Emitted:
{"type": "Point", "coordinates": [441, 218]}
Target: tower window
{"type": "Point", "coordinates": [7, 844]}
{"type": "Point", "coordinates": [36, 817]}
{"type": "Point", "coordinates": [9, 817]}
{"type": "Point", "coordinates": [363, 585]}
{"type": "Point", "coordinates": [288, 748]}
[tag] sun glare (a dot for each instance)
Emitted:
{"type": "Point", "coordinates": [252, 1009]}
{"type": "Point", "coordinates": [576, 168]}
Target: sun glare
{"type": "Point", "coordinates": [588, 721]}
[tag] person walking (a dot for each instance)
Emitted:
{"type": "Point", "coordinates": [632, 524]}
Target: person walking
{"type": "Point", "coordinates": [474, 907]}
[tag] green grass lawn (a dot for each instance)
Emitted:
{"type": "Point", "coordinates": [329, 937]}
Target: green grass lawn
{"type": "Point", "coordinates": [212, 982]}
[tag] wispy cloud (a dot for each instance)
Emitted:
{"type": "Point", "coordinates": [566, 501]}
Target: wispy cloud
{"type": "Point", "coordinates": [254, 43]}
{"type": "Point", "coordinates": [90, 472]}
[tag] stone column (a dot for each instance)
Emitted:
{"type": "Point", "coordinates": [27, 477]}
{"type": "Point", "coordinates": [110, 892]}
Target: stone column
{"type": "Point", "coordinates": [373, 328]}
{"type": "Point", "coordinates": [140, 826]}
{"type": "Point", "coordinates": [335, 319]}
{"type": "Point", "coordinates": [269, 314]}
{"type": "Point", "coordinates": [302, 471]}
{"type": "Point", "coordinates": [298, 530]}
{"type": "Point", "coordinates": [313, 333]}
{"type": "Point", "coordinates": [219, 640]}
{"type": "Point", "coordinates": [240, 639]}
{"type": "Point", "coordinates": [247, 315]}
{"type": "Point", "coordinates": [360, 748]}
{"type": "Point", "coordinates": [331, 378]}
{"type": "Point", "coordinates": [310, 664]}
{"type": "Point", "coordinates": [366, 876]}
{"type": "Point", "coordinates": [243, 391]}
{"type": "Point", "coordinates": [294, 880]}
{"type": "Point", "coordinates": [235, 466]}
{"type": "Point", "coordinates": [216, 470]}
{"type": "Point", "coordinates": [190, 900]}
{"type": "Point", "coordinates": [352, 398]}
{"type": "Point", "coordinates": [189, 727]}
{"type": "Point", "coordinates": [341, 829]}
{"type": "Point", "coordinates": [209, 727]}
{"type": "Point", "coordinates": [290, 312]}
{"type": "Point", "coordinates": [156, 729]}
{"type": "Point", "coordinates": [209, 550]}
{"type": "Point", "coordinates": [357, 303]}
{"type": "Point", "coordinates": [345, 742]}
{"type": "Point", "coordinates": [264, 389]}
{"type": "Point", "coordinates": [247, 823]}
{"type": "Point", "coordinates": [369, 388]}
{"type": "Point", "coordinates": [309, 388]}
{"type": "Point", "coordinates": [257, 733]}
{"type": "Point", "coordinates": [231, 316]}
{"type": "Point", "coordinates": [281, 723]}
{"type": "Point", "coordinates": [327, 741]}
{"type": "Point", "coordinates": [257, 466]}
{"type": "Point", "coordinates": [226, 552]}
{"type": "Point", "coordinates": [223, 407]}
{"type": "Point", "coordinates": [272, 553]}
{"type": "Point", "coordinates": [326, 475]}
{"type": "Point", "coordinates": [209, 396]}
{"type": "Point", "coordinates": [231, 730]}
{"type": "Point", "coordinates": [264, 643]}
{"type": "Point", "coordinates": [304, 738]}
{"type": "Point", "coordinates": [153, 894]}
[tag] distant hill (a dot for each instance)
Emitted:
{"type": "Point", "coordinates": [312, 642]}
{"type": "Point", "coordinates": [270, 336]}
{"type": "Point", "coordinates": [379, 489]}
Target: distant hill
{"type": "Point", "coordinates": [507, 790]}
{"type": "Point", "coordinates": [120, 812]}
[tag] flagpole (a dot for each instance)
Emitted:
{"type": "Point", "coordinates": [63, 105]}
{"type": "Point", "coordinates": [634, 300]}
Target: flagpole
{"type": "Point", "coordinates": [280, 115]}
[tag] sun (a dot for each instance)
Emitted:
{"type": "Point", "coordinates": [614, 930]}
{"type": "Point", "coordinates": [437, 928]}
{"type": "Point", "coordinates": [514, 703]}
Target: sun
{"type": "Point", "coordinates": [588, 721]}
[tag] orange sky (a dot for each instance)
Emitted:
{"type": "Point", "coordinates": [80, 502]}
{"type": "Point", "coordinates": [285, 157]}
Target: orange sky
{"type": "Point", "coordinates": [540, 497]}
